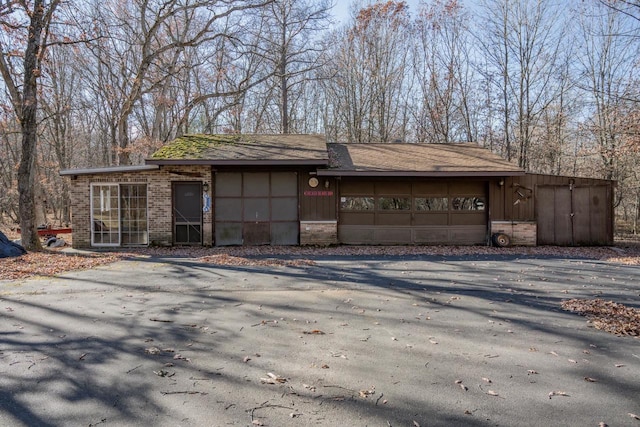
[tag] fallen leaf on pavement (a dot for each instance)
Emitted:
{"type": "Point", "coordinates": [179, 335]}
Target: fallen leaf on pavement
{"type": "Point", "coordinates": [558, 393]}
{"type": "Point", "coordinates": [273, 379]}
{"type": "Point", "coordinates": [152, 350]}
{"type": "Point", "coordinates": [366, 393]}
{"type": "Point", "coordinates": [590, 380]}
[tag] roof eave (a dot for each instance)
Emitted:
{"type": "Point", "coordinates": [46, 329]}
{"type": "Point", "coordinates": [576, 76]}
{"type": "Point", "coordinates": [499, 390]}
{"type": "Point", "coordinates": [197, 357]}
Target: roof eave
{"type": "Point", "coordinates": [108, 170]}
{"type": "Point", "coordinates": [243, 162]}
{"type": "Point", "coordinates": [435, 174]}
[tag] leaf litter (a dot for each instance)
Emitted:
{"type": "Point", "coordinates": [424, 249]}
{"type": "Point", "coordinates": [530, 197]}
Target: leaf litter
{"type": "Point", "coordinates": [50, 262]}
{"type": "Point", "coordinates": [607, 315]}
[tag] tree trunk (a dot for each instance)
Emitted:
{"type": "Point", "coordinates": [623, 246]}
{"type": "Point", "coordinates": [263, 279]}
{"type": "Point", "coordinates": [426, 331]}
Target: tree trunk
{"type": "Point", "coordinates": [29, 124]}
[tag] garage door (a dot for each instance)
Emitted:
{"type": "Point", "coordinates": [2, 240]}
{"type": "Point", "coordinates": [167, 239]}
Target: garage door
{"type": "Point", "coordinates": [426, 212]}
{"type": "Point", "coordinates": [256, 208]}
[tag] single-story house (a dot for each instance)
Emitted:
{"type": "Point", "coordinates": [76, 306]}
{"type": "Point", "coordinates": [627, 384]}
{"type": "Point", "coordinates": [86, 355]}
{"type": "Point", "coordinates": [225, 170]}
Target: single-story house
{"type": "Point", "coordinates": [299, 190]}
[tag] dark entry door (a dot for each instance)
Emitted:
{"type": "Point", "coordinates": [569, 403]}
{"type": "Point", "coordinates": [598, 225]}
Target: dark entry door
{"type": "Point", "coordinates": [187, 213]}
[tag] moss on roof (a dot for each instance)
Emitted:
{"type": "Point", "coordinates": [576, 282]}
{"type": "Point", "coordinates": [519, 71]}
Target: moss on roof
{"type": "Point", "coordinates": [193, 146]}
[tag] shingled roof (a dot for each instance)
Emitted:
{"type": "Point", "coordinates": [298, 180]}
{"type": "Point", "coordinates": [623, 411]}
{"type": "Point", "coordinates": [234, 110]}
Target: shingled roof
{"type": "Point", "coordinates": [243, 150]}
{"type": "Point", "coordinates": [400, 159]}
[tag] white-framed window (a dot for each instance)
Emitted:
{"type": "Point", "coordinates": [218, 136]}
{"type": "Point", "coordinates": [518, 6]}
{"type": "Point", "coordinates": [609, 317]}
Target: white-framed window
{"type": "Point", "coordinates": [119, 214]}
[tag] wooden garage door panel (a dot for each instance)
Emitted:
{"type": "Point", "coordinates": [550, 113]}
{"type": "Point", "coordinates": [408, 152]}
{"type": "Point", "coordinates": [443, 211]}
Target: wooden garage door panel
{"type": "Point", "coordinates": [392, 188]}
{"type": "Point", "coordinates": [431, 219]}
{"type": "Point", "coordinates": [393, 219]}
{"type": "Point", "coordinates": [465, 188]}
{"type": "Point", "coordinates": [430, 188]}
{"type": "Point", "coordinates": [356, 188]}
{"type": "Point", "coordinates": [431, 235]}
{"type": "Point", "coordinates": [395, 235]}
{"type": "Point", "coordinates": [468, 235]}
{"type": "Point", "coordinates": [355, 235]}
{"type": "Point", "coordinates": [357, 218]}
{"type": "Point", "coordinates": [475, 218]}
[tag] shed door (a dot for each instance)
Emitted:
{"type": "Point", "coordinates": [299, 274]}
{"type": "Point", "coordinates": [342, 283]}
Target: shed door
{"type": "Point", "coordinates": [572, 215]}
{"type": "Point", "coordinates": [187, 213]}
{"type": "Point", "coordinates": [256, 208]}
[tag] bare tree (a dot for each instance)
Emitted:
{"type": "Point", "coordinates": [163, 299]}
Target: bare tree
{"type": "Point", "coordinates": [441, 61]}
{"type": "Point", "coordinates": [523, 44]}
{"type": "Point", "coordinates": [369, 75]}
{"type": "Point", "coordinates": [293, 48]}
{"type": "Point", "coordinates": [31, 22]}
{"type": "Point", "coordinates": [142, 35]}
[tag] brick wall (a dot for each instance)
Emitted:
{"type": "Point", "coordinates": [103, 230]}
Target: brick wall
{"type": "Point", "coordinates": [318, 233]}
{"type": "Point", "coordinates": [159, 201]}
{"type": "Point", "coordinates": [521, 233]}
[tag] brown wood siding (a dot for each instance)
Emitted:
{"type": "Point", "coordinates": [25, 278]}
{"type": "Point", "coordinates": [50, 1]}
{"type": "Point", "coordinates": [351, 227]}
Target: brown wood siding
{"type": "Point", "coordinates": [568, 210]}
{"type": "Point", "coordinates": [317, 203]}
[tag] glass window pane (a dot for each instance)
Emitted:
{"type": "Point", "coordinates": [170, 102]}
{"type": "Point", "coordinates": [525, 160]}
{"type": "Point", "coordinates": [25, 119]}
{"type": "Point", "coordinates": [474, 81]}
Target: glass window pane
{"type": "Point", "coordinates": [357, 203]}
{"type": "Point", "coordinates": [468, 203]}
{"type": "Point", "coordinates": [394, 203]}
{"type": "Point", "coordinates": [105, 224]}
{"type": "Point", "coordinates": [133, 214]}
{"type": "Point", "coordinates": [435, 204]}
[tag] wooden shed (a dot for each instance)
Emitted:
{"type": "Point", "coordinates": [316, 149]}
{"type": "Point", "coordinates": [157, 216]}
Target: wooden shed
{"type": "Point", "coordinates": [297, 189]}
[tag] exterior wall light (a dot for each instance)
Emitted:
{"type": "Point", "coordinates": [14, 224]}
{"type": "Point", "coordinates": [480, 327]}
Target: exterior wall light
{"type": "Point", "coordinates": [205, 187]}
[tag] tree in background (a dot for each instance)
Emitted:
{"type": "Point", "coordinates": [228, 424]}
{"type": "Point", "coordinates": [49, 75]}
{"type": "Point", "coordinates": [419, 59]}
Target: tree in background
{"type": "Point", "coordinates": [442, 66]}
{"type": "Point", "coordinates": [26, 28]}
{"type": "Point", "coordinates": [292, 47]}
{"type": "Point", "coordinates": [368, 74]}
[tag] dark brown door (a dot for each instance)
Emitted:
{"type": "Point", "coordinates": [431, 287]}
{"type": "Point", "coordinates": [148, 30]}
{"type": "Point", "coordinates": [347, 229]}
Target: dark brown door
{"type": "Point", "coordinates": [572, 215]}
{"type": "Point", "coordinates": [187, 213]}
{"type": "Point", "coordinates": [554, 215]}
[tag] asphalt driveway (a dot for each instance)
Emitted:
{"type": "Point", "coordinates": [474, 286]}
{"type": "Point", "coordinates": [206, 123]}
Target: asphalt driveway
{"type": "Point", "coordinates": [358, 341]}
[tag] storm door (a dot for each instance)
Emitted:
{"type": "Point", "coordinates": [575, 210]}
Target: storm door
{"type": "Point", "coordinates": [187, 213]}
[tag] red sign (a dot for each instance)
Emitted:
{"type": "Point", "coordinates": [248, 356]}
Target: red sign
{"type": "Point", "coordinates": [318, 193]}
